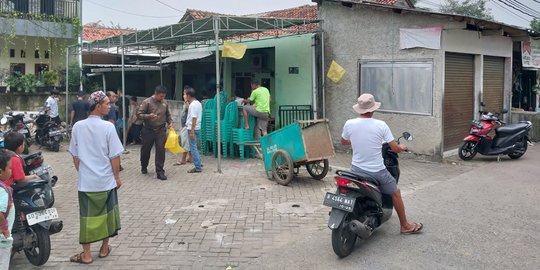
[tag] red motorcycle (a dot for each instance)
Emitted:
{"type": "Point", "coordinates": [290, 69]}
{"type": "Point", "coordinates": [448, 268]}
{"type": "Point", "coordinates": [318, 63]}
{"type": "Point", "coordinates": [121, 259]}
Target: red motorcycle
{"type": "Point", "coordinates": [511, 139]}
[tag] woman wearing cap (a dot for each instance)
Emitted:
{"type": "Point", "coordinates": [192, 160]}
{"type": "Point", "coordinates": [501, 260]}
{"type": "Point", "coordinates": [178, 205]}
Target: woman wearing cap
{"type": "Point", "coordinates": [367, 135]}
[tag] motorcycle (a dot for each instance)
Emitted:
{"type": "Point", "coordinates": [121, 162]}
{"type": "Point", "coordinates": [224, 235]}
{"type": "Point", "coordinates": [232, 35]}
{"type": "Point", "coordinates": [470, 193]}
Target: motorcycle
{"type": "Point", "coordinates": [48, 132]}
{"type": "Point", "coordinates": [509, 139]}
{"type": "Point", "coordinates": [34, 213]}
{"type": "Point", "coordinates": [358, 206]}
{"type": "Point", "coordinates": [17, 122]}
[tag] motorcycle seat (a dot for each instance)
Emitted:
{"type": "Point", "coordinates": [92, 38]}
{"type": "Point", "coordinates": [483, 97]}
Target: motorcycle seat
{"type": "Point", "coordinates": [357, 176]}
{"type": "Point", "coordinates": [512, 128]}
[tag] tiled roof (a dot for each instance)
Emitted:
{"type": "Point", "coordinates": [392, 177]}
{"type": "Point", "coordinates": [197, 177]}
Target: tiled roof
{"type": "Point", "coordinates": [301, 12]}
{"type": "Point", "coordinates": [93, 32]}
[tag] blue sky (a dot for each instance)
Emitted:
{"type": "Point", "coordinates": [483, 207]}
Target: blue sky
{"type": "Point", "coordinates": [144, 14]}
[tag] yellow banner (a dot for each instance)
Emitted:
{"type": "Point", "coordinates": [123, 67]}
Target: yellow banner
{"type": "Point", "coordinates": [233, 50]}
{"type": "Point", "coordinates": [335, 72]}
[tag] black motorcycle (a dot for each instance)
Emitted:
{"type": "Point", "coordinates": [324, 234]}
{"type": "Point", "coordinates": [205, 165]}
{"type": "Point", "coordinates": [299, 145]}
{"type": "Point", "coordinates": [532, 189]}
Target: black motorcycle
{"type": "Point", "coordinates": [34, 212]}
{"type": "Point", "coordinates": [358, 206]}
{"type": "Point", "coordinates": [17, 123]}
{"type": "Point", "coordinates": [48, 132]}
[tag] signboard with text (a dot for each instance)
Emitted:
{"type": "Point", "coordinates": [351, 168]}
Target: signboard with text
{"type": "Point", "coordinates": [530, 53]}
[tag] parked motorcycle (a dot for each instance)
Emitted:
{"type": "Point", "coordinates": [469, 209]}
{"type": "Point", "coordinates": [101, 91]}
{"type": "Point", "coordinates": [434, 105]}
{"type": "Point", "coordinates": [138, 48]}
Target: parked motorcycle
{"type": "Point", "coordinates": [34, 212]}
{"type": "Point", "coordinates": [509, 139]}
{"type": "Point", "coordinates": [48, 132]}
{"type": "Point", "coordinates": [358, 206]}
{"type": "Point", "coordinates": [18, 123]}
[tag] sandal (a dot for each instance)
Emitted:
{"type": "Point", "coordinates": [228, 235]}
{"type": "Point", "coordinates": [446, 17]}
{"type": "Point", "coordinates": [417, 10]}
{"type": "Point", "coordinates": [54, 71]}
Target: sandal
{"type": "Point", "coordinates": [179, 163]}
{"type": "Point", "coordinates": [108, 252]}
{"type": "Point", "coordinates": [77, 258]}
{"type": "Point", "coordinates": [416, 229]}
{"type": "Point", "coordinates": [194, 170]}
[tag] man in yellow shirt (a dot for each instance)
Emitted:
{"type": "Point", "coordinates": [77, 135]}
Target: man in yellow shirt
{"type": "Point", "coordinates": [260, 98]}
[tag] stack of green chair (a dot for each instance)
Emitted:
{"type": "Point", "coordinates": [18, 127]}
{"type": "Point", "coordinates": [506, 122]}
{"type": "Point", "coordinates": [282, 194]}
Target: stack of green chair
{"type": "Point", "coordinates": [241, 136]}
{"type": "Point", "coordinates": [230, 121]}
{"type": "Point", "coordinates": [208, 125]}
{"type": "Point", "coordinates": [223, 100]}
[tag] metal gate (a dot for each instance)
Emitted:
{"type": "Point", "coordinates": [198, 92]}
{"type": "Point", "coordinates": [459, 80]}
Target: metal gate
{"type": "Point", "coordinates": [493, 92]}
{"type": "Point", "coordinates": [458, 105]}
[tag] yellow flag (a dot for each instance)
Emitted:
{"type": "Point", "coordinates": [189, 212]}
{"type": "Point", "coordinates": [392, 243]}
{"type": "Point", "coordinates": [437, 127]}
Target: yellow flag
{"type": "Point", "coordinates": [335, 72]}
{"type": "Point", "coordinates": [233, 50]}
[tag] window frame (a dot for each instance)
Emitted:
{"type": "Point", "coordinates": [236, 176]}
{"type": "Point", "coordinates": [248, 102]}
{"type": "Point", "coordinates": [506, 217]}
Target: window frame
{"type": "Point", "coordinates": [430, 61]}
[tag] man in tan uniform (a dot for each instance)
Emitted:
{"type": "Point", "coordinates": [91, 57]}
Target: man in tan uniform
{"type": "Point", "coordinates": [154, 111]}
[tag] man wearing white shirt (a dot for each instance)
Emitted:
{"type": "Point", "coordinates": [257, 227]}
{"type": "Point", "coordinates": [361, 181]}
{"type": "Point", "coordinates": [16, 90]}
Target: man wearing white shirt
{"type": "Point", "coordinates": [193, 124]}
{"type": "Point", "coordinates": [367, 135]}
{"type": "Point", "coordinates": [96, 151]}
{"type": "Point", "coordinates": [52, 106]}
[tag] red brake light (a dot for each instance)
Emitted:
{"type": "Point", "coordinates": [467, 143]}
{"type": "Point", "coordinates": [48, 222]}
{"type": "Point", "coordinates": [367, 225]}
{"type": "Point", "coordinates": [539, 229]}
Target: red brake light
{"type": "Point", "coordinates": [342, 182]}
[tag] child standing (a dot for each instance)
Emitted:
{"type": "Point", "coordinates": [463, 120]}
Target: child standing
{"type": "Point", "coordinates": [7, 210]}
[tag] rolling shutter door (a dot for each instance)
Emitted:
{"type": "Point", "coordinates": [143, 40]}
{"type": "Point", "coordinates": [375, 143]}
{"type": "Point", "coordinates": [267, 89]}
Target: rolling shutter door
{"type": "Point", "coordinates": [458, 107]}
{"type": "Point", "coordinates": [493, 93]}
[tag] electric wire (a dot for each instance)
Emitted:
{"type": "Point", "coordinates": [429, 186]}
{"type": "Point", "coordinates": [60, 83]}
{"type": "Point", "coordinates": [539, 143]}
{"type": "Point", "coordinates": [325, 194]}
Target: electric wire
{"type": "Point", "coordinates": [510, 12]}
{"type": "Point", "coordinates": [129, 13]}
{"type": "Point", "coordinates": [513, 7]}
{"type": "Point", "coordinates": [165, 4]}
{"type": "Point", "coordinates": [525, 8]}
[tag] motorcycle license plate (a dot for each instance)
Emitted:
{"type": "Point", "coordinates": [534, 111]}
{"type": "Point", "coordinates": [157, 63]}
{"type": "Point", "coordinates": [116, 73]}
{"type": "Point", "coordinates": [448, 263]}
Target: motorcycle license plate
{"type": "Point", "coordinates": [55, 132]}
{"type": "Point", "coordinates": [40, 216]}
{"type": "Point", "coordinates": [339, 202]}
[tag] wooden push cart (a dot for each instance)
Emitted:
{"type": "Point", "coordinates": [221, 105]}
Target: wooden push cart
{"type": "Point", "coordinates": [301, 143]}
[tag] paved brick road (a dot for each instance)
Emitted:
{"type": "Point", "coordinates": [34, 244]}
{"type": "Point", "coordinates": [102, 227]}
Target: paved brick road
{"type": "Point", "coordinates": [207, 220]}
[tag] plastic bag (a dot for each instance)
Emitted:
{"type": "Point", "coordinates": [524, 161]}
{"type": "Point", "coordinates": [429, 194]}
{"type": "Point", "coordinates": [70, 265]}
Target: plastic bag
{"type": "Point", "coordinates": [172, 143]}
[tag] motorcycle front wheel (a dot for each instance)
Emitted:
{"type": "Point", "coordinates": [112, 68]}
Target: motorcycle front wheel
{"type": "Point", "coordinates": [55, 146]}
{"type": "Point", "coordinates": [343, 239]}
{"type": "Point", "coordinates": [38, 253]}
{"type": "Point", "coordinates": [467, 151]}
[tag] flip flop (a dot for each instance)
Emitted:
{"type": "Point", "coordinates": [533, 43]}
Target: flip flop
{"type": "Point", "coordinates": [77, 258]}
{"type": "Point", "coordinates": [179, 163]}
{"type": "Point", "coordinates": [417, 229]}
{"type": "Point", "coordinates": [108, 252]}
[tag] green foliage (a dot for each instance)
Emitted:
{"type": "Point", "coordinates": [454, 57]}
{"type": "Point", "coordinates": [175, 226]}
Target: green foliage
{"type": "Point", "coordinates": [23, 83]}
{"type": "Point", "coordinates": [472, 8]}
{"type": "Point", "coordinates": [50, 77]}
{"type": "Point", "coordinates": [535, 25]}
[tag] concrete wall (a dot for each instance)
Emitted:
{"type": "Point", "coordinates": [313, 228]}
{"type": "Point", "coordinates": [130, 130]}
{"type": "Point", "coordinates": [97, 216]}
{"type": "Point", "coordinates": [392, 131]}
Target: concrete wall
{"type": "Point", "coordinates": [359, 34]}
{"type": "Point", "coordinates": [363, 33]}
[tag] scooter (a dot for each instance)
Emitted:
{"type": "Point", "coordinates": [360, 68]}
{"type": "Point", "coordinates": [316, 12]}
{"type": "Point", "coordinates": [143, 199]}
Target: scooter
{"type": "Point", "coordinates": [358, 206]}
{"type": "Point", "coordinates": [48, 132]}
{"type": "Point", "coordinates": [34, 212]}
{"type": "Point", "coordinates": [18, 123]}
{"type": "Point", "coordinates": [509, 139]}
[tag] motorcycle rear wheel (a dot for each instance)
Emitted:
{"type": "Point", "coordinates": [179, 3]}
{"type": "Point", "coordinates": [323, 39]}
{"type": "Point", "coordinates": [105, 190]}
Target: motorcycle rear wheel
{"type": "Point", "coordinates": [516, 155]}
{"type": "Point", "coordinates": [467, 151]}
{"type": "Point", "coordinates": [343, 239]}
{"type": "Point", "coordinates": [40, 251]}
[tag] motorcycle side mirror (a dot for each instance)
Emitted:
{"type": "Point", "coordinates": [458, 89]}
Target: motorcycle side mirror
{"type": "Point", "coordinates": [482, 104]}
{"type": "Point", "coordinates": [504, 111]}
{"type": "Point", "coordinates": [408, 136]}
{"type": "Point", "coordinates": [8, 108]}
{"type": "Point", "coordinates": [3, 121]}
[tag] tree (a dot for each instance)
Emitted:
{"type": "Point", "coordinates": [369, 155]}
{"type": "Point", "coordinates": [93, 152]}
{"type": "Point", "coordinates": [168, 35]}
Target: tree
{"type": "Point", "coordinates": [535, 25]}
{"type": "Point", "coordinates": [472, 8]}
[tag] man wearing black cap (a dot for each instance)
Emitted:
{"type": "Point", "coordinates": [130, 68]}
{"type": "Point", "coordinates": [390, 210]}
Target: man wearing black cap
{"type": "Point", "coordinates": [79, 109]}
{"type": "Point", "coordinates": [52, 106]}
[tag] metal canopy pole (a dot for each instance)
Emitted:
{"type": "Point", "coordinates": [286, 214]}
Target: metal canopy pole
{"type": "Point", "coordinates": [216, 32]}
{"type": "Point", "coordinates": [123, 95]}
{"type": "Point", "coordinates": [160, 69]}
{"type": "Point", "coordinates": [67, 84]}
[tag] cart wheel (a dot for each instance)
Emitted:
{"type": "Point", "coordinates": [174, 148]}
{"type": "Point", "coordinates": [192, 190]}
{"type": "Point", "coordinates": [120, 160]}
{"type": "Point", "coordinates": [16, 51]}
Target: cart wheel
{"type": "Point", "coordinates": [318, 169]}
{"type": "Point", "coordinates": [282, 167]}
